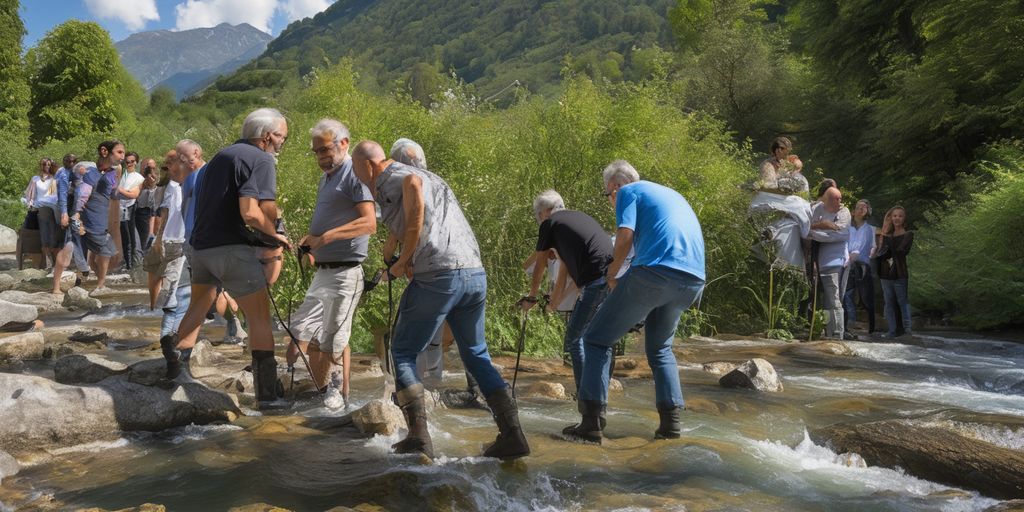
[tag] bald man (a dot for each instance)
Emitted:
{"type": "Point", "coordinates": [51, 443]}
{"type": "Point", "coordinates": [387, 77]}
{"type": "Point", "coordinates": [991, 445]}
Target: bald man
{"type": "Point", "coordinates": [830, 226]}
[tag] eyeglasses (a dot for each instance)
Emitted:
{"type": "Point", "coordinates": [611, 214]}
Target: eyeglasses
{"type": "Point", "coordinates": [606, 193]}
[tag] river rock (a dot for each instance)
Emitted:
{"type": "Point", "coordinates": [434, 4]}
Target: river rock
{"type": "Point", "coordinates": [1007, 506]}
{"type": "Point", "coordinates": [7, 282]}
{"type": "Point", "coordinates": [379, 417]}
{"type": "Point", "coordinates": [553, 390]}
{"type": "Point", "coordinates": [78, 298]}
{"type": "Point", "coordinates": [8, 239]}
{"type": "Point", "coordinates": [89, 335]}
{"type": "Point", "coordinates": [204, 355]}
{"type": "Point", "coordinates": [43, 301]}
{"type": "Point", "coordinates": [755, 374]}
{"type": "Point", "coordinates": [148, 372]}
{"type": "Point", "coordinates": [39, 411]}
{"type": "Point", "coordinates": [19, 347]}
{"type": "Point", "coordinates": [44, 283]}
{"type": "Point", "coordinates": [719, 367]}
{"type": "Point", "coordinates": [21, 313]}
{"type": "Point", "coordinates": [86, 369]}
{"type": "Point", "coordinates": [932, 453]}
{"type": "Point", "coordinates": [836, 348]}
{"type": "Point", "coordinates": [615, 386]}
{"type": "Point", "coordinates": [8, 465]}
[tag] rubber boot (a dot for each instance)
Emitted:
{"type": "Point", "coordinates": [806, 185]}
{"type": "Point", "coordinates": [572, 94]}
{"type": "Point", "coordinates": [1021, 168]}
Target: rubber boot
{"type": "Point", "coordinates": [590, 427]}
{"type": "Point", "coordinates": [168, 345]}
{"type": "Point", "coordinates": [668, 428]}
{"type": "Point", "coordinates": [269, 389]}
{"type": "Point", "coordinates": [511, 442]}
{"type": "Point", "coordinates": [410, 400]}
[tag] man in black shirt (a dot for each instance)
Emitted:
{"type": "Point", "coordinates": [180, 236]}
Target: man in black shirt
{"type": "Point", "coordinates": [236, 192]}
{"type": "Point", "coordinates": [585, 250]}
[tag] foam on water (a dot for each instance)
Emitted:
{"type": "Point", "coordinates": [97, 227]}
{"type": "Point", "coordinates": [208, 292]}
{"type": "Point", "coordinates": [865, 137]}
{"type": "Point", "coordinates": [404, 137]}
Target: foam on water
{"type": "Point", "coordinates": [929, 390]}
{"type": "Point", "coordinates": [1005, 437]}
{"type": "Point", "coordinates": [197, 432]}
{"type": "Point", "coordinates": [537, 492]}
{"type": "Point", "coordinates": [936, 357]}
{"type": "Point", "coordinates": [812, 465]}
{"type": "Point", "coordinates": [93, 447]}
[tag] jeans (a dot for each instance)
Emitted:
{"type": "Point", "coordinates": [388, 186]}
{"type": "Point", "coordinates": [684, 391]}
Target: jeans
{"type": "Point", "coordinates": [656, 295]}
{"type": "Point", "coordinates": [833, 284]}
{"type": "Point", "coordinates": [860, 283]}
{"type": "Point", "coordinates": [172, 316]}
{"type": "Point", "coordinates": [590, 299]}
{"type": "Point", "coordinates": [458, 296]}
{"type": "Point", "coordinates": [895, 290]}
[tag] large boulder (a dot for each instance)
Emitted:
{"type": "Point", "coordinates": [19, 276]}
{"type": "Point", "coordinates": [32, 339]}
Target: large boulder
{"type": "Point", "coordinates": [21, 313]}
{"type": "Point", "coordinates": [719, 367]}
{"type": "Point", "coordinates": [8, 465]}
{"type": "Point", "coordinates": [755, 374]}
{"type": "Point", "coordinates": [932, 453]}
{"type": "Point", "coordinates": [7, 282]}
{"type": "Point", "coordinates": [86, 369]}
{"type": "Point", "coordinates": [19, 347]}
{"type": "Point", "coordinates": [78, 298]}
{"type": "Point", "coordinates": [379, 417]}
{"type": "Point", "coordinates": [205, 356]}
{"type": "Point", "coordinates": [41, 412]}
{"type": "Point", "coordinates": [8, 239]}
{"type": "Point", "coordinates": [43, 301]}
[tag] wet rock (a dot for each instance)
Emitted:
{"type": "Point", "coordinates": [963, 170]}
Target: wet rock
{"type": "Point", "coordinates": [625, 363]}
{"type": "Point", "coordinates": [145, 507]}
{"type": "Point", "coordinates": [20, 313]}
{"type": "Point", "coordinates": [90, 335]}
{"type": "Point", "coordinates": [719, 367]}
{"type": "Point", "coordinates": [615, 386]}
{"type": "Point", "coordinates": [243, 384]}
{"type": "Point", "coordinates": [553, 390]}
{"type": "Point", "coordinates": [703, 405]}
{"type": "Point", "coordinates": [44, 283]}
{"type": "Point", "coordinates": [1007, 506]}
{"type": "Point", "coordinates": [932, 453]}
{"type": "Point", "coordinates": [835, 348]}
{"type": "Point", "coordinates": [258, 507]}
{"type": "Point", "coordinates": [379, 417]}
{"type": "Point", "coordinates": [8, 465]}
{"type": "Point", "coordinates": [460, 399]}
{"type": "Point", "coordinates": [27, 274]}
{"type": "Point", "coordinates": [148, 372]}
{"type": "Point", "coordinates": [23, 346]}
{"type": "Point", "coordinates": [205, 356]}
{"type": "Point", "coordinates": [43, 301]}
{"type": "Point", "coordinates": [756, 374]}
{"type": "Point", "coordinates": [86, 369]}
{"type": "Point", "coordinates": [851, 460]}
{"type": "Point", "coordinates": [78, 298]}
{"type": "Point", "coordinates": [7, 282]}
{"type": "Point", "coordinates": [8, 239]}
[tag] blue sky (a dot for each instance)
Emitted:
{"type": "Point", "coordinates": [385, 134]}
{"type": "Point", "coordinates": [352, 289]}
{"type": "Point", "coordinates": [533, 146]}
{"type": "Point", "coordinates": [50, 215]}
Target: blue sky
{"type": "Point", "coordinates": [125, 17]}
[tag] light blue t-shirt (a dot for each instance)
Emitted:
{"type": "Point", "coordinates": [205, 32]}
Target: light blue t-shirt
{"type": "Point", "coordinates": [666, 231]}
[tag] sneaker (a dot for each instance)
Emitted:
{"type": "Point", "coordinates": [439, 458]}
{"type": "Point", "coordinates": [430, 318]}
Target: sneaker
{"type": "Point", "coordinates": [333, 398]}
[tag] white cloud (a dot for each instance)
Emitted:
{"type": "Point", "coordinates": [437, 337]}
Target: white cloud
{"type": "Point", "coordinates": [209, 13]}
{"type": "Point", "coordinates": [299, 9]}
{"type": "Point", "coordinates": [133, 13]}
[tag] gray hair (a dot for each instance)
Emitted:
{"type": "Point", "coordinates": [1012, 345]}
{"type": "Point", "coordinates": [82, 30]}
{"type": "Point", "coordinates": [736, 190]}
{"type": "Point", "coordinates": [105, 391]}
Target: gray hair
{"type": "Point", "coordinates": [261, 121]}
{"type": "Point", "coordinates": [324, 126]}
{"type": "Point", "coordinates": [620, 172]}
{"type": "Point", "coordinates": [547, 200]}
{"type": "Point", "coordinates": [85, 164]}
{"type": "Point", "coordinates": [186, 145]}
{"type": "Point", "coordinates": [408, 152]}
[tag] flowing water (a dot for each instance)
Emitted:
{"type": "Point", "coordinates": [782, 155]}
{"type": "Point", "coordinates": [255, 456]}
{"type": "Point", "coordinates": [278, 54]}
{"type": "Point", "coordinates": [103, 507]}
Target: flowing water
{"type": "Point", "coordinates": [740, 450]}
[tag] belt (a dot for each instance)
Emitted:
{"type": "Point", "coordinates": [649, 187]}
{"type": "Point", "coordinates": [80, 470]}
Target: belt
{"type": "Point", "coordinates": [337, 264]}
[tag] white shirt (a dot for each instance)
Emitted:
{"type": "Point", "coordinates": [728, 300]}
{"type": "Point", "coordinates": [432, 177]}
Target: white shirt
{"type": "Point", "coordinates": [130, 180]}
{"type": "Point", "coordinates": [174, 231]}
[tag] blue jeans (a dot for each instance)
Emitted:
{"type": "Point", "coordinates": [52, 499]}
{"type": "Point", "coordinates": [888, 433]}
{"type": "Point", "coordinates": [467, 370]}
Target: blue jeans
{"type": "Point", "coordinates": [860, 283]}
{"type": "Point", "coordinates": [458, 296]}
{"type": "Point", "coordinates": [656, 295]}
{"type": "Point", "coordinates": [590, 299]}
{"type": "Point", "coordinates": [895, 291]}
{"type": "Point", "coordinates": [172, 316]}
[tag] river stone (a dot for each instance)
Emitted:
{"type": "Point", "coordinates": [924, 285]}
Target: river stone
{"type": "Point", "coordinates": [78, 298]}
{"type": "Point", "coordinates": [258, 507]}
{"type": "Point", "coordinates": [7, 282]}
{"type": "Point", "coordinates": [615, 386]}
{"type": "Point", "coordinates": [379, 417]}
{"type": "Point", "coordinates": [26, 345]}
{"type": "Point", "coordinates": [932, 453]}
{"type": "Point", "coordinates": [836, 348]}
{"type": "Point", "coordinates": [553, 390]}
{"type": "Point", "coordinates": [86, 369]}
{"type": "Point", "coordinates": [43, 301]}
{"type": "Point", "coordinates": [1007, 506]}
{"type": "Point", "coordinates": [27, 274]}
{"type": "Point", "coordinates": [21, 313]}
{"type": "Point", "coordinates": [45, 283]}
{"type": "Point", "coordinates": [719, 367]}
{"type": "Point", "coordinates": [8, 239]}
{"type": "Point", "coordinates": [147, 372]}
{"type": "Point", "coordinates": [204, 355]}
{"type": "Point", "coordinates": [755, 374]}
{"type": "Point", "coordinates": [8, 465]}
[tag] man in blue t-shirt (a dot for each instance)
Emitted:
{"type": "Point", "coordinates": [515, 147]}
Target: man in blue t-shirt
{"type": "Point", "coordinates": [666, 276]}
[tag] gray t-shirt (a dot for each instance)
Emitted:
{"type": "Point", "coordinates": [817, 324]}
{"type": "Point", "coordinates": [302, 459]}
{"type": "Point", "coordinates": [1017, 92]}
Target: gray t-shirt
{"type": "Point", "coordinates": [336, 201]}
{"type": "Point", "coordinates": [446, 240]}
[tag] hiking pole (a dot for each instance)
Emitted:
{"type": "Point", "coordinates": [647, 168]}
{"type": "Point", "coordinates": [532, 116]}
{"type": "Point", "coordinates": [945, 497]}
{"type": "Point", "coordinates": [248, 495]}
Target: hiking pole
{"type": "Point", "coordinates": [389, 362]}
{"type": "Point", "coordinates": [287, 328]}
{"type": "Point", "coordinates": [814, 299]}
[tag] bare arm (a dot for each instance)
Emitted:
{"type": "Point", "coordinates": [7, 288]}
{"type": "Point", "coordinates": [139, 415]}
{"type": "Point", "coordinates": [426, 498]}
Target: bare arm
{"type": "Point", "coordinates": [365, 224]}
{"type": "Point", "coordinates": [412, 204]}
{"type": "Point", "coordinates": [538, 271]}
{"type": "Point", "coordinates": [390, 246]}
{"type": "Point", "coordinates": [254, 217]}
{"type": "Point", "coordinates": [623, 243]}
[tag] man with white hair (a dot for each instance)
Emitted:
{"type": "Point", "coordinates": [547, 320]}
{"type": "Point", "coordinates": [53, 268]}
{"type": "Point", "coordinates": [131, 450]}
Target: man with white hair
{"type": "Point", "coordinates": [338, 239]}
{"type": "Point", "coordinates": [441, 258]}
{"type": "Point", "coordinates": [236, 189]}
{"type": "Point", "coordinates": [666, 276]}
{"type": "Point", "coordinates": [585, 250]}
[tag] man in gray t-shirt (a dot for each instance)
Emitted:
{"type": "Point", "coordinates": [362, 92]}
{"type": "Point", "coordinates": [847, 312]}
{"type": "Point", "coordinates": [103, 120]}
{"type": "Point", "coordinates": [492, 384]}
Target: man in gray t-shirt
{"type": "Point", "coordinates": [441, 258]}
{"type": "Point", "coordinates": [339, 233]}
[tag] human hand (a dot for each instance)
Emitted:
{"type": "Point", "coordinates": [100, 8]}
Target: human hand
{"type": "Point", "coordinates": [283, 240]}
{"type": "Point", "coordinates": [527, 303]}
{"type": "Point", "coordinates": [401, 269]}
{"type": "Point", "coordinates": [64, 220]}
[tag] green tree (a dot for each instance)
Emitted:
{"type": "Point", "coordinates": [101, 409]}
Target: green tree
{"type": "Point", "coordinates": [79, 85]}
{"type": "Point", "coordinates": [14, 92]}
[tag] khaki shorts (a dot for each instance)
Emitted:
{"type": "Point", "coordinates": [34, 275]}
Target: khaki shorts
{"type": "Point", "coordinates": [154, 263]}
{"type": "Point", "coordinates": [236, 268]}
{"type": "Point", "coordinates": [325, 316]}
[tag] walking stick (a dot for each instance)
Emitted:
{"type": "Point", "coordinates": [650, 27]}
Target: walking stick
{"type": "Point", "coordinates": [814, 299]}
{"type": "Point", "coordinates": [389, 362]}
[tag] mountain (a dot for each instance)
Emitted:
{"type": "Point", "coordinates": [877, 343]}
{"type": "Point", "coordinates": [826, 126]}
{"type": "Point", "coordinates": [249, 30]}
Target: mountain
{"type": "Point", "coordinates": [487, 43]}
{"type": "Point", "coordinates": [187, 60]}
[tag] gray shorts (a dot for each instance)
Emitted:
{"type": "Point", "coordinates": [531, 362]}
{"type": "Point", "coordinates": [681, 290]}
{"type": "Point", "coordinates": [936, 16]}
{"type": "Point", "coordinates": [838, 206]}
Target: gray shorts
{"type": "Point", "coordinates": [325, 316]}
{"type": "Point", "coordinates": [236, 268]}
{"type": "Point", "coordinates": [102, 245]}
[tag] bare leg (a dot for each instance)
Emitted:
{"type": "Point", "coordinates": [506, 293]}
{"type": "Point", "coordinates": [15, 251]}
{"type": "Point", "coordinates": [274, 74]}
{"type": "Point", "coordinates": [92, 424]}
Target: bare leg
{"type": "Point", "coordinates": [346, 370]}
{"type": "Point", "coordinates": [256, 307]}
{"type": "Point", "coordinates": [203, 296]}
{"type": "Point", "coordinates": [292, 354]}
{"type": "Point", "coordinates": [154, 283]}
{"type": "Point", "coordinates": [60, 262]}
{"type": "Point", "coordinates": [100, 264]}
{"type": "Point", "coordinates": [320, 363]}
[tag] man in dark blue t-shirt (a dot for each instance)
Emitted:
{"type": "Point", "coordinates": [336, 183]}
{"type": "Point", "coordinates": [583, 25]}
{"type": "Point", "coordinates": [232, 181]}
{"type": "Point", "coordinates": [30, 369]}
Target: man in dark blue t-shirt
{"type": "Point", "coordinates": [93, 207]}
{"type": "Point", "coordinates": [237, 188]}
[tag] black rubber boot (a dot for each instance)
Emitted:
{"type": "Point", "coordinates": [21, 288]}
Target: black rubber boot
{"type": "Point", "coordinates": [168, 344]}
{"type": "Point", "coordinates": [269, 389]}
{"type": "Point", "coordinates": [669, 425]}
{"type": "Point", "coordinates": [590, 427]}
{"type": "Point", "coordinates": [410, 400]}
{"type": "Point", "coordinates": [511, 442]}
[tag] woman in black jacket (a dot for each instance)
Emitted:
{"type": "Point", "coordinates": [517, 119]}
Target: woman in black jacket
{"type": "Point", "coordinates": [892, 253]}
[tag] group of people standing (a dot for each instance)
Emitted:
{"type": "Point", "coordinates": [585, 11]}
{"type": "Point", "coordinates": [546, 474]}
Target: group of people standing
{"type": "Point", "coordinates": [841, 252]}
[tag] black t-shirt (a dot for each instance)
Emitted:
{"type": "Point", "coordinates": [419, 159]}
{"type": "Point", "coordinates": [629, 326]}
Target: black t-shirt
{"type": "Point", "coordinates": [582, 245]}
{"type": "Point", "coordinates": [239, 170]}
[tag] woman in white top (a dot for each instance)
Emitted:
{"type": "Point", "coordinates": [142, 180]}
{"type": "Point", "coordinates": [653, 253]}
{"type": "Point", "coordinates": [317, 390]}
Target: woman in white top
{"type": "Point", "coordinates": [41, 198]}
